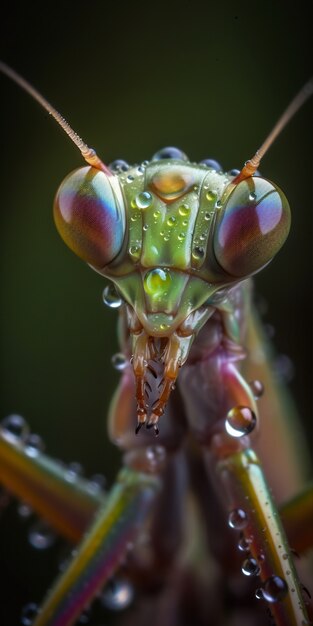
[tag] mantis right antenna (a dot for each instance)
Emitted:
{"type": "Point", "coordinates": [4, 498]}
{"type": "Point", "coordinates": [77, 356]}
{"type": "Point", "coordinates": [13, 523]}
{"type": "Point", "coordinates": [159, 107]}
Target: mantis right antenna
{"type": "Point", "coordinates": [252, 165]}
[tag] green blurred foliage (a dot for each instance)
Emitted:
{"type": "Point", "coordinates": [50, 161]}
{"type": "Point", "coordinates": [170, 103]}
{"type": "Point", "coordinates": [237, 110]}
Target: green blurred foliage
{"type": "Point", "coordinates": [211, 78]}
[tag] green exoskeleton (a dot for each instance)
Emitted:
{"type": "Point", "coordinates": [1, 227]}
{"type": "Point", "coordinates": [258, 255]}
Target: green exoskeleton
{"type": "Point", "coordinates": [179, 242]}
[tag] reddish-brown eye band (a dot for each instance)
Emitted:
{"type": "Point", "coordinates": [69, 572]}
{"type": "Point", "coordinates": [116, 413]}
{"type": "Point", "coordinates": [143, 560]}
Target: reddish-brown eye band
{"type": "Point", "coordinates": [89, 216]}
{"type": "Point", "coordinates": [251, 227]}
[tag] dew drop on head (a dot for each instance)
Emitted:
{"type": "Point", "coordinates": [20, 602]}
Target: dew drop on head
{"type": "Point", "coordinates": [111, 297]}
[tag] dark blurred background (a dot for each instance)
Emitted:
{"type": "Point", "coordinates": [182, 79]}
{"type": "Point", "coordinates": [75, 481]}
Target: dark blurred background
{"type": "Point", "coordinates": [211, 79]}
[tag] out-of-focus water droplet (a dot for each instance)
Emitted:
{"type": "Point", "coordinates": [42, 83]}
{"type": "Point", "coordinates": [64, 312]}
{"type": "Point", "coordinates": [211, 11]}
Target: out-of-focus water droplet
{"type": "Point", "coordinates": [118, 595]}
{"type": "Point", "coordinates": [212, 164]}
{"type": "Point", "coordinates": [119, 361]}
{"type": "Point", "coordinates": [29, 612]}
{"type": "Point", "coordinates": [284, 368]}
{"type": "Point", "coordinates": [250, 567]}
{"type": "Point", "coordinates": [41, 536]}
{"type": "Point", "coordinates": [234, 172]}
{"type": "Point", "coordinates": [24, 510]}
{"type": "Point", "coordinates": [170, 152]}
{"type": "Point", "coordinates": [244, 544]}
{"type": "Point", "coordinates": [130, 178]}
{"type": "Point", "coordinates": [119, 165]}
{"type": "Point", "coordinates": [97, 483]}
{"type": "Point", "coordinates": [275, 589]}
{"type": "Point", "coordinates": [85, 616]}
{"type": "Point", "coordinates": [34, 445]}
{"type": "Point", "coordinates": [73, 471]}
{"type": "Point", "coordinates": [15, 427]}
{"type": "Point", "coordinates": [111, 297]}
{"type": "Point", "coordinates": [240, 421]}
{"type": "Point", "coordinates": [259, 594]}
{"type": "Point", "coordinates": [257, 388]}
{"type": "Point", "coordinates": [237, 519]}
{"type": "Point", "coordinates": [143, 199]}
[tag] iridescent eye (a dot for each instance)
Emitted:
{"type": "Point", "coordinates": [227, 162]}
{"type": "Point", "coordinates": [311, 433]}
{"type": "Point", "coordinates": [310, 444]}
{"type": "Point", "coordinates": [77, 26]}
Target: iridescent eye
{"type": "Point", "coordinates": [251, 227]}
{"type": "Point", "coordinates": [170, 153]}
{"type": "Point", "coordinates": [89, 217]}
{"type": "Point", "coordinates": [212, 164]}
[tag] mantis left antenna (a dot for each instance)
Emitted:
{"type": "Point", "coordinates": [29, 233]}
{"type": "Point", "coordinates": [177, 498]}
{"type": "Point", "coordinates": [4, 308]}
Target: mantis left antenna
{"type": "Point", "coordinates": [88, 154]}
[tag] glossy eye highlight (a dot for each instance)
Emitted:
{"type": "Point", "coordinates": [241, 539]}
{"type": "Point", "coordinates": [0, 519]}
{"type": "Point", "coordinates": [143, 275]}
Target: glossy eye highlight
{"type": "Point", "coordinates": [251, 227]}
{"type": "Point", "coordinates": [89, 217]}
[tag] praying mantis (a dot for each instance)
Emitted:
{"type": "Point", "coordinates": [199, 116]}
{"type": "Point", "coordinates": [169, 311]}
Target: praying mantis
{"type": "Point", "coordinates": [179, 242]}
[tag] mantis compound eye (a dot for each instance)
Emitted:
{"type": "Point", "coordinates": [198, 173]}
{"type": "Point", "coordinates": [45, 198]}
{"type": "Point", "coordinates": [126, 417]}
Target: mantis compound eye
{"type": "Point", "coordinates": [89, 216]}
{"type": "Point", "coordinates": [251, 227]}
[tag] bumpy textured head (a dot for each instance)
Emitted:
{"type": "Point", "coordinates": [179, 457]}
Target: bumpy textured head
{"type": "Point", "coordinates": [169, 232]}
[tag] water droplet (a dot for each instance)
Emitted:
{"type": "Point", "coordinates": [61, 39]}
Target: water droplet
{"type": "Point", "coordinates": [24, 510]}
{"type": "Point", "coordinates": [119, 361]}
{"type": "Point", "coordinates": [111, 297]}
{"type": "Point", "coordinates": [244, 544]}
{"type": "Point", "coordinates": [73, 471]}
{"type": "Point", "coordinates": [156, 214]}
{"type": "Point", "coordinates": [166, 237]}
{"type": "Point", "coordinates": [259, 594]}
{"type": "Point", "coordinates": [34, 445]}
{"type": "Point", "coordinates": [97, 483]}
{"type": "Point", "coordinates": [164, 326]}
{"type": "Point", "coordinates": [135, 251]}
{"type": "Point", "coordinates": [240, 421]}
{"type": "Point", "coordinates": [143, 199]}
{"type": "Point", "coordinates": [184, 210]}
{"type": "Point", "coordinates": [234, 172]}
{"type": "Point", "coordinates": [145, 227]}
{"type": "Point", "coordinates": [118, 595]}
{"type": "Point", "coordinates": [257, 388]}
{"type": "Point", "coordinates": [250, 567]}
{"type": "Point", "coordinates": [181, 236]}
{"type": "Point", "coordinates": [15, 427]}
{"type": "Point", "coordinates": [218, 204]}
{"type": "Point", "coordinates": [198, 252]}
{"type": "Point", "coordinates": [210, 196]}
{"type": "Point", "coordinates": [41, 536]}
{"type": "Point", "coordinates": [157, 281]}
{"type": "Point", "coordinates": [130, 178]}
{"type": "Point", "coordinates": [275, 589]}
{"type": "Point", "coordinates": [140, 169]}
{"type": "Point", "coordinates": [207, 216]}
{"type": "Point", "coordinates": [212, 164]}
{"type": "Point", "coordinates": [84, 617]}
{"type": "Point", "coordinates": [29, 612]}
{"type": "Point", "coordinates": [119, 165]}
{"type": "Point", "coordinates": [237, 519]}
{"type": "Point", "coordinates": [171, 221]}
{"type": "Point", "coordinates": [170, 153]}
{"type": "Point", "coordinates": [252, 196]}
{"type": "Point", "coordinates": [284, 368]}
